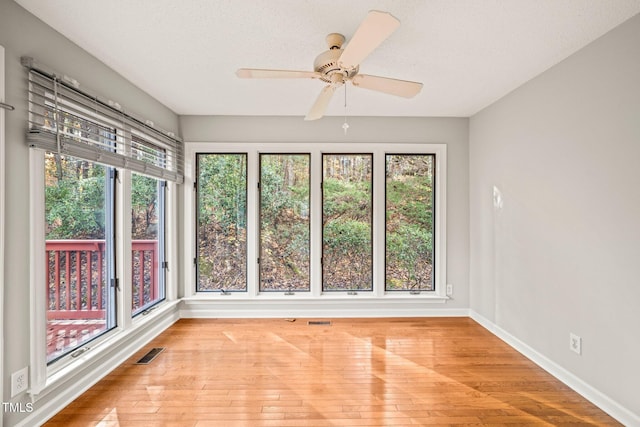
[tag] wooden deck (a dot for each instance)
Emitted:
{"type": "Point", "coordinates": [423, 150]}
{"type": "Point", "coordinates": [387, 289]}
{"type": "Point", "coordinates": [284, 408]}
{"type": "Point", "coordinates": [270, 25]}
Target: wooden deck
{"type": "Point", "coordinates": [354, 372]}
{"type": "Point", "coordinates": [65, 334]}
{"type": "Point", "coordinates": [77, 289]}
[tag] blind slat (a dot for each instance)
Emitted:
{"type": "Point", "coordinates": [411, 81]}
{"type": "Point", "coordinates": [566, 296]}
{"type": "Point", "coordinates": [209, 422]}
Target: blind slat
{"type": "Point", "coordinates": [89, 129]}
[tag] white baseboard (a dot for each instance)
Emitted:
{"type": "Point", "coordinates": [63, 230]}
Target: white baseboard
{"type": "Point", "coordinates": [604, 402]}
{"type": "Point", "coordinates": [64, 392]}
{"type": "Point", "coordinates": [314, 308]}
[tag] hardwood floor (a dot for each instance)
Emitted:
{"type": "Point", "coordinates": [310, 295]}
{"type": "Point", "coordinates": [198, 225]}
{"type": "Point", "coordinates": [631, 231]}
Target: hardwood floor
{"type": "Point", "coordinates": [354, 372]}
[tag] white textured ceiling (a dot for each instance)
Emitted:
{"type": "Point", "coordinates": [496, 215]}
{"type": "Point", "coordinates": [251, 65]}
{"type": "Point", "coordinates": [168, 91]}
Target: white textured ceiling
{"type": "Point", "coordinates": [468, 53]}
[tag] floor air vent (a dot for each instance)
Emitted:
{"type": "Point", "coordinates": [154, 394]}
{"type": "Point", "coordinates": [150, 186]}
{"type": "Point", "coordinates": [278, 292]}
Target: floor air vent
{"type": "Point", "coordinates": [319, 322]}
{"type": "Point", "coordinates": [147, 358]}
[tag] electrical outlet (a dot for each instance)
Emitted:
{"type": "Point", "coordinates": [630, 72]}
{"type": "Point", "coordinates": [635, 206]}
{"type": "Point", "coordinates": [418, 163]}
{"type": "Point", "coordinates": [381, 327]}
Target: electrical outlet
{"type": "Point", "coordinates": [449, 289]}
{"type": "Point", "coordinates": [19, 381]}
{"type": "Point", "coordinates": [575, 343]}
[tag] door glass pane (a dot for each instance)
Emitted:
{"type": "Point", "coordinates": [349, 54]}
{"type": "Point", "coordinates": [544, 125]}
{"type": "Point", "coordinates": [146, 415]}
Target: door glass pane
{"type": "Point", "coordinates": [409, 222]}
{"type": "Point", "coordinates": [79, 249]}
{"type": "Point", "coordinates": [284, 222]}
{"type": "Point", "coordinates": [346, 222]}
{"type": "Point", "coordinates": [221, 222]}
{"type": "Point", "coordinates": [147, 242]}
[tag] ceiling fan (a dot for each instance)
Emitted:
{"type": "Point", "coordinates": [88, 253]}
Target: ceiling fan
{"type": "Point", "coordinates": [336, 66]}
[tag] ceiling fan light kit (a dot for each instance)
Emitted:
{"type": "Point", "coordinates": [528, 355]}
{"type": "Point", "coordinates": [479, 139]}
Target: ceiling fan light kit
{"type": "Point", "coordinates": [337, 66]}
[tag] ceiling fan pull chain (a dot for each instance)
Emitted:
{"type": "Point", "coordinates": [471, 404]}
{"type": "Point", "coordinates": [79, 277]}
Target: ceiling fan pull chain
{"type": "Point", "coordinates": [345, 125]}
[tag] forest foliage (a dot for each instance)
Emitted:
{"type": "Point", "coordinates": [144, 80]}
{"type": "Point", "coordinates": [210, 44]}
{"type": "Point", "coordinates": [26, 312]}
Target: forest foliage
{"type": "Point", "coordinates": [409, 222]}
{"type": "Point", "coordinates": [76, 200]}
{"type": "Point", "coordinates": [222, 222]}
{"type": "Point", "coordinates": [347, 213]}
{"type": "Point", "coordinates": [76, 208]}
{"type": "Point", "coordinates": [284, 222]}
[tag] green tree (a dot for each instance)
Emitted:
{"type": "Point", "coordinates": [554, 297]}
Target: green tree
{"type": "Point", "coordinates": [284, 222]}
{"type": "Point", "coordinates": [222, 210]}
{"type": "Point", "coordinates": [144, 206]}
{"type": "Point", "coordinates": [74, 198]}
{"type": "Point", "coordinates": [347, 217]}
{"type": "Point", "coordinates": [409, 222]}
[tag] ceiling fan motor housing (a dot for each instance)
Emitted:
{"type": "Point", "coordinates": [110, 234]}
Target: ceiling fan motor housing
{"type": "Point", "coordinates": [328, 62]}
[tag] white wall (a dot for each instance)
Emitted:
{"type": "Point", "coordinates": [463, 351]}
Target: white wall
{"type": "Point", "coordinates": [2, 239]}
{"type": "Point", "coordinates": [451, 131]}
{"type": "Point", "coordinates": [563, 253]}
{"type": "Point", "coordinates": [23, 34]}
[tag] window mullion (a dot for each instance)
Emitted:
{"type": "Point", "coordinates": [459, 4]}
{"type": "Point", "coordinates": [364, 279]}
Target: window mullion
{"type": "Point", "coordinates": [123, 248]}
{"type": "Point", "coordinates": [378, 222]}
{"type": "Point", "coordinates": [316, 223]}
{"type": "Point", "coordinates": [171, 242]}
{"type": "Point", "coordinates": [252, 223]}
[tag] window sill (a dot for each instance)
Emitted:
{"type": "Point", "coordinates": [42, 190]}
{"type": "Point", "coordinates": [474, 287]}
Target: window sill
{"type": "Point", "coordinates": [307, 296]}
{"type": "Point", "coordinates": [274, 306]}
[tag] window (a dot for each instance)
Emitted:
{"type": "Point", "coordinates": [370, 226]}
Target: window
{"type": "Point", "coordinates": [147, 242]}
{"type": "Point", "coordinates": [347, 216]}
{"type": "Point", "coordinates": [148, 265]}
{"type": "Point", "coordinates": [222, 222]}
{"type": "Point", "coordinates": [79, 263]}
{"type": "Point", "coordinates": [325, 223]}
{"type": "Point", "coordinates": [98, 189]}
{"type": "Point", "coordinates": [284, 222]}
{"type": "Point", "coordinates": [409, 222]}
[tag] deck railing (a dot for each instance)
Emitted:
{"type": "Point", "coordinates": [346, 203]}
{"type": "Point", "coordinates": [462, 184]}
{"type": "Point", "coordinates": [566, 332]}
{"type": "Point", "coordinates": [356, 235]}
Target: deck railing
{"type": "Point", "coordinates": [144, 272]}
{"type": "Point", "coordinates": [76, 277]}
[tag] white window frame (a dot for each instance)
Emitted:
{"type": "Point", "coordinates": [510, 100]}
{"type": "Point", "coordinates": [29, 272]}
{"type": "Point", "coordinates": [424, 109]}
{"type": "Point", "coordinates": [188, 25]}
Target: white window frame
{"type": "Point", "coordinates": [45, 376]}
{"type": "Point", "coordinates": [41, 370]}
{"type": "Point", "coordinates": [161, 240]}
{"type": "Point", "coordinates": [316, 149]}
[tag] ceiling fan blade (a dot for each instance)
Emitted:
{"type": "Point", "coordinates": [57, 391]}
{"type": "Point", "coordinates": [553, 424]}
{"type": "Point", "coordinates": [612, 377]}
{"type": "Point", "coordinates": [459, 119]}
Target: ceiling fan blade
{"type": "Point", "coordinates": [320, 106]}
{"type": "Point", "coordinates": [255, 73]}
{"type": "Point", "coordinates": [375, 29]}
{"type": "Point", "coordinates": [396, 87]}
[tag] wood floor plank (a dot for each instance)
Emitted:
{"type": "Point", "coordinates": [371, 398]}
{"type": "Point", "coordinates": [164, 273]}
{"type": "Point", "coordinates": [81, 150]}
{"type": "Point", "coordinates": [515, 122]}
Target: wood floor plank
{"type": "Point", "coordinates": [354, 372]}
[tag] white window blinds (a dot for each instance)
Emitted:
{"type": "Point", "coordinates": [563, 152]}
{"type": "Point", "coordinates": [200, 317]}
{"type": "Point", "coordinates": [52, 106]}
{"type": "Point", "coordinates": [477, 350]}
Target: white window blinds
{"type": "Point", "coordinates": [66, 120]}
